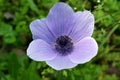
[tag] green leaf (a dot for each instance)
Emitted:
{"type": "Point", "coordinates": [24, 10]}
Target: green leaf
{"type": "Point", "coordinates": [5, 28]}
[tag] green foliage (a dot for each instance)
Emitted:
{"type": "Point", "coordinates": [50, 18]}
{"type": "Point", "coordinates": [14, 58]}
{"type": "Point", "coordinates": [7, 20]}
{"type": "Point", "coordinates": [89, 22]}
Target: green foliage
{"type": "Point", "coordinates": [15, 17]}
{"type": "Point", "coordinates": [6, 31]}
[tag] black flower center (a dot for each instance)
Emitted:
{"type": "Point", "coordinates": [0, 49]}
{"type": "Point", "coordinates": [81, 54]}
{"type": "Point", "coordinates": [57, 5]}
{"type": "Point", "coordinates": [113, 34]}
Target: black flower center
{"type": "Point", "coordinates": [64, 45]}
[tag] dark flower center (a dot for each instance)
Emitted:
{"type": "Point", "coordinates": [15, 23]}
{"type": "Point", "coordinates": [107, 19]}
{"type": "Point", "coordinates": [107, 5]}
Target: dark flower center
{"type": "Point", "coordinates": [64, 45]}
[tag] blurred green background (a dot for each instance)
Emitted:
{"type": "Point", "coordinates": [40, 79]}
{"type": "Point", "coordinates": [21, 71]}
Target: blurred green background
{"type": "Point", "coordinates": [15, 36]}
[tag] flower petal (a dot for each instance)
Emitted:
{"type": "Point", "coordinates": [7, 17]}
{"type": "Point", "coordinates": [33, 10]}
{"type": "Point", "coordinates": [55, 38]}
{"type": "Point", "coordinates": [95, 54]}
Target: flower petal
{"type": "Point", "coordinates": [61, 62]}
{"type": "Point", "coordinates": [84, 50]}
{"type": "Point", "coordinates": [39, 50]}
{"type": "Point", "coordinates": [40, 30]}
{"type": "Point", "coordinates": [83, 27]}
{"type": "Point", "coordinates": [60, 19]}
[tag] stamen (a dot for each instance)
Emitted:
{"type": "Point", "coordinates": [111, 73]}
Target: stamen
{"type": "Point", "coordinates": [64, 45]}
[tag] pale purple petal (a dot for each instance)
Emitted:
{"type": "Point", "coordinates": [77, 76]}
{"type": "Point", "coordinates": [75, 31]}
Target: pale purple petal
{"type": "Point", "coordinates": [60, 19]}
{"type": "Point", "coordinates": [40, 30]}
{"type": "Point", "coordinates": [83, 27]}
{"type": "Point", "coordinates": [39, 50]}
{"type": "Point", "coordinates": [84, 50]}
{"type": "Point", "coordinates": [61, 62]}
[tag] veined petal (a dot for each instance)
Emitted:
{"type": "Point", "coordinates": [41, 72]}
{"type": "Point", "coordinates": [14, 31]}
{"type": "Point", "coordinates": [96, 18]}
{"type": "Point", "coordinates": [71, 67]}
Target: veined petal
{"type": "Point", "coordinates": [39, 50]}
{"type": "Point", "coordinates": [84, 26]}
{"type": "Point", "coordinates": [40, 30]}
{"type": "Point", "coordinates": [84, 50]}
{"type": "Point", "coordinates": [60, 19]}
{"type": "Point", "coordinates": [61, 62]}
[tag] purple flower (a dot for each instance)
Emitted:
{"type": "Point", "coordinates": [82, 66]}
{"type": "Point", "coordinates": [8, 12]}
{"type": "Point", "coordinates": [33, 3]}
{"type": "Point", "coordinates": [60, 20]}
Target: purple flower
{"type": "Point", "coordinates": [63, 39]}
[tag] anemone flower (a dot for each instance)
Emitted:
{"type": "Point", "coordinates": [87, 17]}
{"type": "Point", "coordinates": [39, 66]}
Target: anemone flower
{"type": "Point", "coordinates": [63, 39]}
